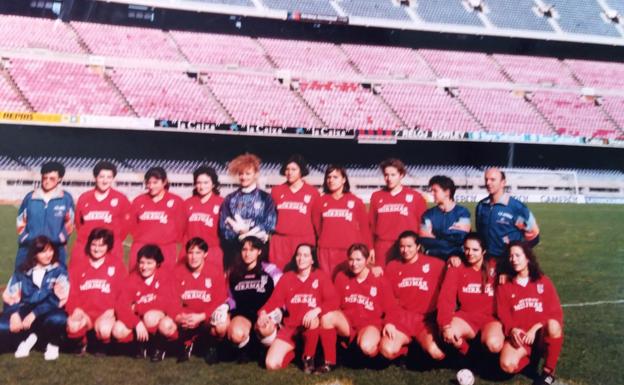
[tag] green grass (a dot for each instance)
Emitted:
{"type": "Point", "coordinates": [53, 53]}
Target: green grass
{"type": "Point", "coordinates": [581, 250]}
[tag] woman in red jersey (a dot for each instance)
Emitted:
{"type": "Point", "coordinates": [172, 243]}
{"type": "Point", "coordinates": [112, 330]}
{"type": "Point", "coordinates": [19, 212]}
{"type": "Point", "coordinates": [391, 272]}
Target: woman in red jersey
{"type": "Point", "coordinates": [364, 300]}
{"type": "Point", "coordinates": [94, 288]}
{"type": "Point", "coordinates": [202, 215]}
{"type": "Point", "coordinates": [293, 200]}
{"type": "Point", "coordinates": [415, 280]}
{"type": "Point", "coordinates": [471, 285]}
{"type": "Point", "coordinates": [157, 217]}
{"type": "Point", "coordinates": [340, 220]}
{"type": "Point", "coordinates": [394, 209]}
{"type": "Point", "coordinates": [306, 293]}
{"type": "Point", "coordinates": [530, 310]}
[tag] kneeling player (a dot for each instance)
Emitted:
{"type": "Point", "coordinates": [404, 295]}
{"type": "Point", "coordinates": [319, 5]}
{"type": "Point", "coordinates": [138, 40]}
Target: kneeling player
{"type": "Point", "coordinates": [142, 303]}
{"type": "Point", "coordinates": [252, 282]}
{"type": "Point", "coordinates": [199, 302]}
{"type": "Point", "coordinates": [415, 281]}
{"type": "Point", "coordinates": [363, 300]}
{"type": "Point", "coordinates": [306, 293]}
{"type": "Point", "coordinates": [95, 285]}
{"type": "Point", "coordinates": [471, 285]}
{"type": "Point", "coordinates": [526, 305]}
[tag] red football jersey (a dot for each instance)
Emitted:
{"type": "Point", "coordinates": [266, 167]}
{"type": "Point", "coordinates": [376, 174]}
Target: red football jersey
{"type": "Point", "coordinates": [522, 307]}
{"type": "Point", "coordinates": [463, 285]}
{"type": "Point", "coordinates": [416, 285]}
{"type": "Point", "coordinates": [138, 296]}
{"type": "Point", "coordinates": [364, 303]}
{"type": "Point", "coordinates": [197, 294]}
{"type": "Point", "coordinates": [112, 212]}
{"type": "Point", "coordinates": [95, 289]}
{"type": "Point", "coordinates": [294, 209]}
{"type": "Point", "coordinates": [298, 297]}
{"type": "Point", "coordinates": [390, 215]}
{"type": "Point", "coordinates": [202, 219]}
{"type": "Point", "coordinates": [339, 223]}
{"type": "Point", "coordinates": [159, 222]}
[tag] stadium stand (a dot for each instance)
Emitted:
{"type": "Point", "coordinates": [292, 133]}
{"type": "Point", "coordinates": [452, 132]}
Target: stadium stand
{"type": "Point", "coordinates": [388, 61]}
{"type": "Point", "coordinates": [536, 70]}
{"type": "Point", "coordinates": [614, 106]}
{"type": "Point", "coordinates": [446, 12]}
{"type": "Point", "coordinates": [314, 7]}
{"type": "Point", "coordinates": [376, 9]}
{"type": "Point", "coordinates": [9, 98]}
{"type": "Point", "coordinates": [41, 34]}
{"type": "Point", "coordinates": [463, 65]}
{"type": "Point", "coordinates": [516, 14]}
{"type": "Point", "coordinates": [598, 74]}
{"type": "Point", "coordinates": [583, 18]}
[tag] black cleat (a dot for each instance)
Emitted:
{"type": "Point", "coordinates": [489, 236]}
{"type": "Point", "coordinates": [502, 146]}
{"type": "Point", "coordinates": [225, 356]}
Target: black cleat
{"type": "Point", "coordinates": [325, 368]}
{"type": "Point", "coordinates": [157, 355]}
{"type": "Point", "coordinates": [185, 352]}
{"type": "Point", "coordinates": [141, 352]}
{"type": "Point", "coordinates": [308, 365]}
{"type": "Point", "coordinates": [211, 356]}
{"type": "Point", "coordinates": [544, 379]}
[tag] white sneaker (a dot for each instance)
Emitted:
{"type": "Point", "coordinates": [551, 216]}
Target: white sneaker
{"type": "Point", "coordinates": [51, 353]}
{"type": "Point", "coordinates": [24, 348]}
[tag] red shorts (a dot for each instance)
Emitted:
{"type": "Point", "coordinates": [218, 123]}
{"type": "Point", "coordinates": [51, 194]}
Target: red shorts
{"type": "Point", "coordinates": [475, 320]}
{"type": "Point", "coordinates": [382, 252]}
{"type": "Point", "coordinates": [355, 328]}
{"type": "Point", "coordinates": [289, 334]}
{"type": "Point", "coordinates": [282, 248]}
{"type": "Point", "coordinates": [413, 324]}
{"type": "Point", "coordinates": [332, 260]}
{"type": "Point", "coordinates": [537, 344]}
{"type": "Point", "coordinates": [169, 251]}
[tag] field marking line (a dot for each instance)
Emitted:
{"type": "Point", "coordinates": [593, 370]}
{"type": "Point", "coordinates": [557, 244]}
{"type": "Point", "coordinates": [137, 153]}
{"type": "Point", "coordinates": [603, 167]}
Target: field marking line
{"type": "Point", "coordinates": [596, 303]}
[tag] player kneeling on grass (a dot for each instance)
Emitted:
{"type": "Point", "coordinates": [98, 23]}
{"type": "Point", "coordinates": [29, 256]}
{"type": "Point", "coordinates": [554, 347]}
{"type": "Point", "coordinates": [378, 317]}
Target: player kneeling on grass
{"type": "Point", "coordinates": [415, 280]}
{"type": "Point", "coordinates": [529, 308]}
{"type": "Point", "coordinates": [306, 293]}
{"type": "Point", "coordinates": [142, 304]}
{"type": "Point", "coordinates": [364, 299]}
{"type": "Point", "coordinates": [32, 310]}
{"type": "Point", "coordinates": [471, 285]}
{"type": "Point", "coordinates": [199, 306]}
{"type": "Point", "coordinates": [251, 283]}
{"type": "Point", "coordinates": [96, 283]}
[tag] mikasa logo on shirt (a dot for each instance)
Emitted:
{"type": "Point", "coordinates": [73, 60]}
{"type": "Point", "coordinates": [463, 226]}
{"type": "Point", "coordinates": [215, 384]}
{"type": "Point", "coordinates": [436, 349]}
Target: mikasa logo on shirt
{"type": "Point", "coordinates": [475, 288]}
{"type": "Point", "coordinates": [298, 206]}
{"type": "Point", "coordinates": [96, 284]}
{"type": "Point", "coordinates": [361, 300]}
{"type": "Point", "coordinates": [394, 208]}
{"type": "Point", "coordinates": [105, 216]}
{"type": "Point", "coordinates": [196, 294]}
{"type": "Point", "coordinates": [414, 282]}
{"type": "Point", "coordinates": [201, 217]}
{"type": "Point", "coordinates": [304, 298]}
{"type": "Point", "coordinates": [339, 213]}
{"type": "Point", "coordinates": [525, 303]}
{"type": "Point", "coordinates": [154, 216]}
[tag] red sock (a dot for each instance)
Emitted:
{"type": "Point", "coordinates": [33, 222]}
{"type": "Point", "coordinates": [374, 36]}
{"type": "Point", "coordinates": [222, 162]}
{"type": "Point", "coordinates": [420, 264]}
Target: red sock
{"type": "Point", "coordinates": [127, 339]}
{"type": "Point", "coordinates": [328, 342]}
{"type": "Point", "coordinates": [310, 340]}
{"type": "Point", "coordinates": [80, 333]}
{"type": "Point", "coordinates": [553, 350]}
{"type": "Point", "coordinates": [524, 361]}
{"type": "Point", "coordinates": [152, 330]}
{"type": "Point", "coordinates": [463, 348]}
{"type": "Point", "coordinates": [288, 358]}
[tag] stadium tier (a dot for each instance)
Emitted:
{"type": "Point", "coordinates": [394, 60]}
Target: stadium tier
{"type": "Point", "coordinates": [224, 79]}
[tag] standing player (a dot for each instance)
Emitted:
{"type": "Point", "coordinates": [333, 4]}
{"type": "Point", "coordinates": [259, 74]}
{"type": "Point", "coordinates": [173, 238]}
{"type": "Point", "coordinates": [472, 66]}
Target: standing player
{"type": "Point", "coordinates": [157, 217]}
{"type": "Point", "coordinates": [415, 280]}
{"type": "Point", "coordinates": [394, 209]}
{"type": "Point", "coordinates": [471, 285]}
{"type": "Point", "coordinates": [251, 283]}
{"type": "Point", "coordinates": [294, 200]}
{"type": "Point", "coordinates": [32, 310]}
{"type": "Point", "coordinates": [444, 226]}
{"type": "Point", "coordinates": [198, 307]}
{"type": "Point", "coordinates": [144, 299]}
{"type": "Point", "coordinates": [102, 207]}
{"type": "Point", "coordinates": [529, 308]}
{"type": "Point", "coordinates": [47, 211]}
{"type": "Point", "coordinates": [340, 220]}
{"type": "Point", "coordinates": [502, 219]}
{"type": "Point", "coordinates": [306, 293]}
{"type": "Point", "coordinates": [202, 214]}
{"type": "Point", "coordinates": [95, 285]}
{"type": "Point", "coordinates": [248, 211]}
{"type": "Point", "coordinates": [364, 300]}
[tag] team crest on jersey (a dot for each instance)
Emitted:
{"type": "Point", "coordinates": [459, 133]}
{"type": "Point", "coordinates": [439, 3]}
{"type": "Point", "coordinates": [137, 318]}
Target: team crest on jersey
{"type": "Point", "coordinates": [426, 268]}
{"type": "Point", "coordinates": [540, 288]}
{"type": "Point", "coordinates": [114, 202]}
{"type": "Point", "coordinates": [315, 284]}
{"type": "Point", "coordinates": [170, 203]}
{"type": "Point", "coordinates": [215, 210]}
{"type": "Point", "coordinates": [111, 271]}
{"type": "Point", "coordinates": [492, 272]}
{"type": "Point", "coordinates": [157, 285]}
{"type": "Point", "coordinates": [307, 198]}
{"type": "Point", "coordinates": [351, 204]}
{"type": "Point", "coordinates": [138, 293]}
{"type": "Point", "coordinates": [373, 291]}
{"type": "Point", "coordinates": [409, 198]}
{"type": "Point", "coordinates": [208, 283]}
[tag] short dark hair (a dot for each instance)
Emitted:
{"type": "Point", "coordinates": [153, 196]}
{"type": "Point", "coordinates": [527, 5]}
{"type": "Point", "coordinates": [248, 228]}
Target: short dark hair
{"type": "Point", "coordinates": [292, 265]}
{"type": "Point", "coordinates": [100, 233]}
{"type": "Point", "coordinates": [39, 244]}
{"type": "Point", "coordinates": [212, 174]}
{"type": "Point", "coordinates": [104, 165]}
{"type": "Point", "coordinates": [445, 184]}
{"type": "Point", "coordinates": [395, 250]}
{"type": "Point", "coordinates": [299, 161]}
{"type": "Point", "coordinates": [150, 251]}
{"type": "Point", "coordinates": [393, 162]}
{"type": "Point", "coordinates": [334, 167]}
{"type": "Point", "coordinates": [158, 173]}
{"type": "Point", "coordinates": [362, 248]}
{"type": "Point", "coordinates": [52, 166]}
{"type": "Point", "coordinates": [196, 242]}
